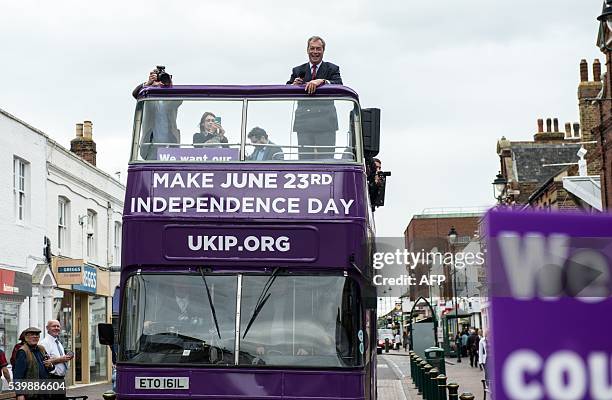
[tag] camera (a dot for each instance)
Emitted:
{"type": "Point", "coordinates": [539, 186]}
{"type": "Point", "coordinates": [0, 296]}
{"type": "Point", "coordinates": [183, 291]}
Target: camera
{"type": "Point", "coordinates": [383, 174]}
{"type": "Point", "coordinates": [162, 76]}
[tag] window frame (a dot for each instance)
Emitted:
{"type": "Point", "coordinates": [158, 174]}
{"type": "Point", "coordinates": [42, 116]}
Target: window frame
{"type": "Point", "coordinates": [140, 109]}
{"type": "Point", "coordinates": [91, 234]}
{"type": "Point", "coordinates": [63, 211]}
{"type": "Point", "coordinates": [240, 275]}
{"type": "Point", "coordinates": [20, 189]}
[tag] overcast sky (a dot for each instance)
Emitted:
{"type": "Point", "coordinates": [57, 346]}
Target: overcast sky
{"type": "Point", "coordinates": [451, 77]}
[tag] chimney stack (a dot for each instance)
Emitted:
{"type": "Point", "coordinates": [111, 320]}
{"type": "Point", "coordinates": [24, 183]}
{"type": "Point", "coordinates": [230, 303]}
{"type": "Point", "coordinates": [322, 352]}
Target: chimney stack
{"type": "Point", "coordinates": [568, 130]}
{"type": "Point", "coordinates": [576, 129]}
{"type": "Point", "coordinates": [87, 130]}
{"type": "Point", "coordinates": [83, 144]}
{"type": "Point", "coordinates": [584, 71]}
{"type": "Point", "coordinates": [552, 133]}
{"type": "Point", "coordinates": [540, 125]}
{"type": "Point", "coordinates": [596, 70]}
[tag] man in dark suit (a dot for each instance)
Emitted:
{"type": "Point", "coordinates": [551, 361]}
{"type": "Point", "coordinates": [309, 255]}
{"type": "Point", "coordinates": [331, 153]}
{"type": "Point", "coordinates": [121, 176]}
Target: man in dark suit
{"type": "Point", "coordinates": [315, 121]}
{"type": "Point", "coordinates": [315, 72]}
{"type": "Point", "coordinates": [264, 149]}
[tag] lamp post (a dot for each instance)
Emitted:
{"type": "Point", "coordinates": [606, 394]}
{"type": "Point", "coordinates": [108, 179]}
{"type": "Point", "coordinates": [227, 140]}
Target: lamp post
{"type": "Point", "coordinates": [499, 187]}
{"type": "Point", "coordinates": [606, 23]}
{"type": "Point", "coordinates": [452, 239]}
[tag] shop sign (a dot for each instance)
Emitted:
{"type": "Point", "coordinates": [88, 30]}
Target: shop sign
{"type": "Point", "coordinates": [15, 283]}
{"type": "Point", "coordinates": [68, 271]}
{"type": "Point", "coordinates": [90, 280]}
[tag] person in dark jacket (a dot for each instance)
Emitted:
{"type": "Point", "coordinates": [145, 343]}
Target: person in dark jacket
{"type": "Point", "coordinates": [159, 127]}
{"type": "Point", "coordinates": [316, 121]}
{"type": "Point", "coordinates": [211, 130]}
{"type": "Point", "coordinates": [473, 342]}
{"type": "Point", "coordinates": [32, 362]}
{"type": "Point", "coordinates": [265, 149]}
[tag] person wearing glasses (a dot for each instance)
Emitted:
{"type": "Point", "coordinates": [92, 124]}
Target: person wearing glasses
{"type": "Point", "coordinates": [32, 360]}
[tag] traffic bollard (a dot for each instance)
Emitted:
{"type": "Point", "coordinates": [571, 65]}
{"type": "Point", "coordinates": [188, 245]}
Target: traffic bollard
{"type": "Point", "coordinates": [415, 377]}
{"type": "Point", "coordinates": [420, 376]}
{"type": "Point", "coordinates": [412, 365]}
{"type": "Point", "coordinates": [109, 395]}
{"type": "Point", "coordinates": [453, 391]}
{"type": "Point", "coordinates": [466, 396]}
{"type": "Point", "coordinates": [426, 381]}
{"type": "Point", "coordinates": [417, 362]}
{"type": "Point", "coordinates": [441, 387]}
{"type": "Point", "coordinates": [432, 384]}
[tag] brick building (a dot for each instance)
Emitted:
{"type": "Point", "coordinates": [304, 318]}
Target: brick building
{"type": "Point", "coordinates": [603, 130]}
{"type": "Point", "coordinates": [428, 232]}
{"type": "Point", "coordinates": [548, 172]}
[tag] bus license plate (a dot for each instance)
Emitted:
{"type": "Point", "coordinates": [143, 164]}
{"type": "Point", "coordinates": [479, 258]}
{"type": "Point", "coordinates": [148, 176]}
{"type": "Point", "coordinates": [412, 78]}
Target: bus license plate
{"type": "Point", "coordinates": [162, 382]}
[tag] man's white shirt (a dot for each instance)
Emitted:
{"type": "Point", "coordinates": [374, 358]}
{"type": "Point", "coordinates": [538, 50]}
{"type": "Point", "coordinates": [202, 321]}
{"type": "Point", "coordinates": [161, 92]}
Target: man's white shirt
{"type": "Point", "coordinates": [55, 349]}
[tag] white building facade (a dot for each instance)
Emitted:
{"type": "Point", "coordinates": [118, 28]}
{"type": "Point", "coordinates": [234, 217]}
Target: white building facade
{"type": "Point", "coordinates": [22, 226]}
{"type": "Point", "coordinates": [62, 230]}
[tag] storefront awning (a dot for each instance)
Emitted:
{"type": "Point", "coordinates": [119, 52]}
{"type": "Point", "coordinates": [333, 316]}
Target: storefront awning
{"type": "Point", "coordinates": [15, 283]}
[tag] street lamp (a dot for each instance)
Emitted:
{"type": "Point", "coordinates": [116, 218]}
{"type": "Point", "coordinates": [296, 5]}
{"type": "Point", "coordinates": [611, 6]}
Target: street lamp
{"type": "Point", "coordinates": [606, 22]}
{"type": "Point", "coordinates": [499, 187]}
{"type": "Point", "coordinates": [452, 240]}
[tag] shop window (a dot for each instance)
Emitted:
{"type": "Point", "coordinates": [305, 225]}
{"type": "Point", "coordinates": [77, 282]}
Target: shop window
{"type": "Point", "coordinates": [62, 310]}
{"type": "Point", "coordinates": [9, 317]}
{"type": "Point", "coordinates": [98, 358]}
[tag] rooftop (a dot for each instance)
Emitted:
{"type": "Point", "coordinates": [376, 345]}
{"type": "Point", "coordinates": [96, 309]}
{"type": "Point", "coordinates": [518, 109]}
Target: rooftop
{"type": "Point", "coordinates": [532, 160]}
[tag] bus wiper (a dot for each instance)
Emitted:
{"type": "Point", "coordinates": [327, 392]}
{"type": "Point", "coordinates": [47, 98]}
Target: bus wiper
{"type": "Point", "coordinates": [261, 301]}
{"type": "Point", "coordinates": [210, 302]}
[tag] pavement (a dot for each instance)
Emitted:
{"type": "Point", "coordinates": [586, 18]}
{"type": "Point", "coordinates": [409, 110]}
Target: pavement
{"type": "Point", "coordinates": [93, 392]}
{"type": "Point", "coordinates": [394, 381]}
{"type": "Point", "coordinates": [468, 378]}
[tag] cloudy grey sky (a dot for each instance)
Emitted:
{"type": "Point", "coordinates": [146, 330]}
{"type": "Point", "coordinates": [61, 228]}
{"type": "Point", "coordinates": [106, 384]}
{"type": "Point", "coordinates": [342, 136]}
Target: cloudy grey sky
{"type": "Point", "coordinates": [451, 77]}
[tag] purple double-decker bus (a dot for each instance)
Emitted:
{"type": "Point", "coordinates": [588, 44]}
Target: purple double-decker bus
{"type": "Point", "coordinates": [246, 267]}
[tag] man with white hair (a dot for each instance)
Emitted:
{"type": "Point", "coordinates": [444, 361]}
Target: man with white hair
{"type": "Point", "coordinates": [58, 356]}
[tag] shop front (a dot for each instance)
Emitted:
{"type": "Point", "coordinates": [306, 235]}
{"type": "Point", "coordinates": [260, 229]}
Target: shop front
{"type": "Point", "coordinates": [15, 287]}
{"type": "Point", "coordinates": [85, 302]}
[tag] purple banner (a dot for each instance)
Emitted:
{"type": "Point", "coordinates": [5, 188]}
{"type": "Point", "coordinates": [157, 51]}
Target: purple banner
{"type": "Point", "coordinates": [274, 243]}
{"type": "Point", "coordinates": [549, 287]}
{"type": "Point", "coordinates": [256, 193]}
{"type": "Point", "coordinates": [208, 154]}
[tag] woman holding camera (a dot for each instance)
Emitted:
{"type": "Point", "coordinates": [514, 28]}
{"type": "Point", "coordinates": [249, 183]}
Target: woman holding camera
{"type": "Point", "coordinates": [211, 130]}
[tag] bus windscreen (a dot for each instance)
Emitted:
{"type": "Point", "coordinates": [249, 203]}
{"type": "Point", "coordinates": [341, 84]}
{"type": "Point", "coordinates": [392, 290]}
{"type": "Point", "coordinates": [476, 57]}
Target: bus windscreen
{"type": "Point", "coordinates": [285, 320]}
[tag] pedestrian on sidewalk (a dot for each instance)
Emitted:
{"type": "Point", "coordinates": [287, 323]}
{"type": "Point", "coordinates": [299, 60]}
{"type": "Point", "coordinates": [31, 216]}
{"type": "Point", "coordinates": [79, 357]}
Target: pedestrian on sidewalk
{"type": "Point", "coordinates": [32, 362]}
{"type": "Point", "coordinates": [464, 343]}
{"type": "Point", "coordinates": [57, 354]}
{"type": "Point", "coordinates": [473, 342]}
{"type": "Point", "coordinates": [3, 367]}
{"type": "Point", "coordinates": [405, 340]}
{"type": "Point", "coordinates": [398, 341]}
{"type": "Point", "coordinates": [483, 350]}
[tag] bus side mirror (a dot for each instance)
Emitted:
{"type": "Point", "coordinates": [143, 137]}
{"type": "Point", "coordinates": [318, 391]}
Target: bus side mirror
{"type": "Point", "coordinates": [370, 124]}
{"type": "Point", "coordinates": [106, 335]}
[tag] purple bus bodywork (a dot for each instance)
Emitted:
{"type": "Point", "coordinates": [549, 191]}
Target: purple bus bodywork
{"type": "Point", "coordinates": [326, 224]}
